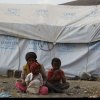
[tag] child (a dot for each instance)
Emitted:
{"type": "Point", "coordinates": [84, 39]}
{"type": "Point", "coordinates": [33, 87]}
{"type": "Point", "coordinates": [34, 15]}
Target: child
{"type": "Point", "coordinates": [30, 58]}
{"type": "Point", "coordinates": [34, 79]}
{"type": "Point", "coordinates": [56, 78]}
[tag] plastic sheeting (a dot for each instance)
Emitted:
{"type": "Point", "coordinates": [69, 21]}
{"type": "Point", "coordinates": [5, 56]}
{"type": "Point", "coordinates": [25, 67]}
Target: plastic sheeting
{"type": "Point", "coordinates": [57, 24]}
{"type": "Point", "coordinates": [76, 58]}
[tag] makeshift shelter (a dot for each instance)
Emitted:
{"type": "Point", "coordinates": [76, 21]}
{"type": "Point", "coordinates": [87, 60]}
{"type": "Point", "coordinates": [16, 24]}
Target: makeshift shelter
{"type": "Point", "coordinates": [71, 33]}
{"type": "Point", "coordinates": [83, 3]}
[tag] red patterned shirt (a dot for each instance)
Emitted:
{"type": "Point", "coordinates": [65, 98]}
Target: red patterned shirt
{"type": "Point", "coordinates": [59, 75]}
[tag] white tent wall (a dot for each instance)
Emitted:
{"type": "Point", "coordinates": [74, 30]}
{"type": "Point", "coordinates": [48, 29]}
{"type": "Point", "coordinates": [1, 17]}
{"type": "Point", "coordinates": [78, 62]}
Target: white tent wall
{"type": "Point", "coordinates": [68, 32]}
{"type": "Point", "coordinates": [76, 58]}
{"type": "Point", "coordinates": [9, 53]}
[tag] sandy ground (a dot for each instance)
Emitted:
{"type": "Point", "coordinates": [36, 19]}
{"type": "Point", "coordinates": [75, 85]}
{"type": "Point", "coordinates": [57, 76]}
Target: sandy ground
{"type": "Point", "coordinates": [78, 89]}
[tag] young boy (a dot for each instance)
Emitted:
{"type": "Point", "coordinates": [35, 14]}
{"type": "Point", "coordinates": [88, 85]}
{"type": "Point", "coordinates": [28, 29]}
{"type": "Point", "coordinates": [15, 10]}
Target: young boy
{"type": "Point", "coordinates": [56, 78]}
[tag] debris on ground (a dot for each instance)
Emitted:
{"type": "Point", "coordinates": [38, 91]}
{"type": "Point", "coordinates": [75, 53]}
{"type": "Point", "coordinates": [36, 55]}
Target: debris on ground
{"type": "Point", "coordinates": [78, 88]}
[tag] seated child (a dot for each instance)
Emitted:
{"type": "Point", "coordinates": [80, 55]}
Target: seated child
{"type": "Point", "coordinates": [56, 80]}
{"type": "Point", "coordinates": [33, 80]}
{"type": "Point", "coordinates": [31, 57]}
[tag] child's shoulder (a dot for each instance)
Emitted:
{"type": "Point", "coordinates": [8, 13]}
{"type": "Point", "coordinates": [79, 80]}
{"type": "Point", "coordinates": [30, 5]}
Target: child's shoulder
{"type": "Point", "coordinates": [25, 65]}
{"type": "Point", "coordinates": [61, 70]}
{"type": "Point", "coordinates": [50, 69]}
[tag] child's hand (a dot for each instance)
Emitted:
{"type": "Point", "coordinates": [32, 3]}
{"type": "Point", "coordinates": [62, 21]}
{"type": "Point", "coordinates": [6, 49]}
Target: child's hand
{"type": "Point", "coordinates": [57, 75]}
{"type": "Point", "coordinates": [57, 71]}
{"type": "Point", "coordinates": [23, 80]}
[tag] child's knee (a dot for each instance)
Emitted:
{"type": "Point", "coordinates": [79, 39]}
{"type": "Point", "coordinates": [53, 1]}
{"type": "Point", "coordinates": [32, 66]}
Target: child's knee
{"type": "Point", "coordinates": [67, 85]}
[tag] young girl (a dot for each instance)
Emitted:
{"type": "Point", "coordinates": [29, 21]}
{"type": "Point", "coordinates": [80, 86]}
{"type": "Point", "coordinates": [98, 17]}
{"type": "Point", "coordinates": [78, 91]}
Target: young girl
{"type": "Point", "coordinates": [30, 58]}
{"type": "Point", "coordinates": [56, 78]}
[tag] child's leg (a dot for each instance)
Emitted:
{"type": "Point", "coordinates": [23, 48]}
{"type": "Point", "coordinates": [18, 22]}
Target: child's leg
{"type": "Point", "coordinates": [54, 87]}
{"type": "Point", "coordinates": [65, 85]}
{"type": "Point", "coordinates": [20, 86]}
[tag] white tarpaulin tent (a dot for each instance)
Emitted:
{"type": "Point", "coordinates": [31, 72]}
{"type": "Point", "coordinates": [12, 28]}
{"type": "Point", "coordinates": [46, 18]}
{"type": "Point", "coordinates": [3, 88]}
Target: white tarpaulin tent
{"type": "Point", "coordinates": [71, 33]}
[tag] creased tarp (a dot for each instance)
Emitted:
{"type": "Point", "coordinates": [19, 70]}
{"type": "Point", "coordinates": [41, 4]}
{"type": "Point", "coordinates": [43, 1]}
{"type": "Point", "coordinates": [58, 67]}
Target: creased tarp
{"type": "Point", "coordinates": [76, 58]}
{"type": "Point", "coordinates": [57, 24]}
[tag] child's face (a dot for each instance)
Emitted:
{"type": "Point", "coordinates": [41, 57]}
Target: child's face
{"type": "Point", "coordinates": [30, 61]}
{"type": "Point", "coordinates": [55, 66]}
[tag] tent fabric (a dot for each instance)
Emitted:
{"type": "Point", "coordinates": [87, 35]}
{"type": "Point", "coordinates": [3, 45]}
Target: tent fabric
{"type": "Point", "coordinates": [57, 24]}
{"type": "Point", "coordinates": [83, 2]}
{"type": "Point", "coordinates": [71, 33]}
{"type": "Point", "coordinates": [76, 58]}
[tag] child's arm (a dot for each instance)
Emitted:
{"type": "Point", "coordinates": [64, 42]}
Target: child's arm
{"type": "Point", "coordinates": [55, 76]}
{"type": "Point", "coordinates": [23, 73]}
{"type": "Point", "coordinates": [27, 79]}
{"type": "Point", "coordinates": [63, 79]}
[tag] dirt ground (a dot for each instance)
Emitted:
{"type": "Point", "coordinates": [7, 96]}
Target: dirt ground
{"type": "Point", "coordinates": [78, 89]}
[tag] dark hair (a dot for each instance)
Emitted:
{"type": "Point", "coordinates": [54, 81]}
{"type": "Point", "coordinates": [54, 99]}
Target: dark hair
{"type": "Point", "coordinates": [30, 55]}
{"type": "Point", "coordinates": [56, 60]}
